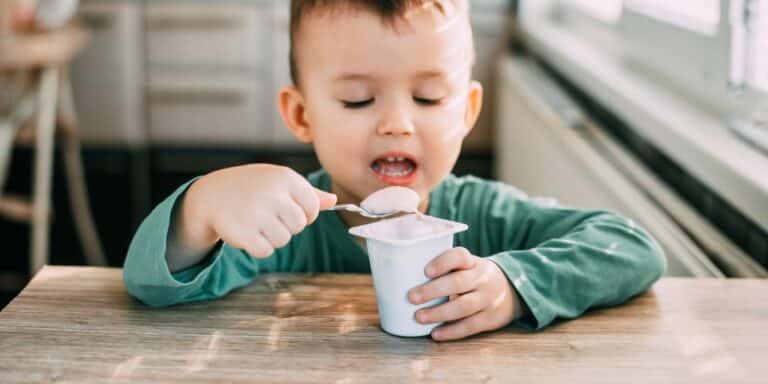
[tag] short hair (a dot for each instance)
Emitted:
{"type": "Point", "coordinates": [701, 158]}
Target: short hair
{"type": "Point", "coordinates": [388, 10]}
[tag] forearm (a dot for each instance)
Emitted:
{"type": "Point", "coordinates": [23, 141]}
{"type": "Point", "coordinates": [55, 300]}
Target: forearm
{"type": "Point", "coordinates": [191, 238]}
{"type": "Point", "coordinates": [147, 276]}
{"type": "Point", "coordinates": [600, 262]}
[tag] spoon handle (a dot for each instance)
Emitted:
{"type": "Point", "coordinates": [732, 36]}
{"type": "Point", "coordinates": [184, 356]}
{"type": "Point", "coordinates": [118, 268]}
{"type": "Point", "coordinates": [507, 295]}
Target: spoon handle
{"type": "Point", "coordinates": [345, 207]}
{"type": "Point", "coordinates": [360, 210]}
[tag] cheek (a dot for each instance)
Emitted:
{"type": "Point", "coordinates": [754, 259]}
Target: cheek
{"type": "Point", "coordinates": [447, 122]}
{"type": "Point", "coordinates": [336, 148]}
{"type": "Point", "coordinates": [335, 126]}
{"type": "Point", "coordinates": [341, 135]}
{"type": "Point", "coordinates": [340, 144]}
{"type": "Point", "coordinates": [441, 141]}
{"type": "Point", "coordinates": [444, 128]}
{"type": "Point", "coordinates": [441, 156]}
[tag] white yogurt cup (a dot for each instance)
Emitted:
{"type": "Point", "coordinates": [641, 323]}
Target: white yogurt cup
{"type": "Point", "coordinates": [399, 249]}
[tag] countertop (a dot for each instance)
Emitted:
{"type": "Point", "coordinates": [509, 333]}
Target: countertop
{"type": "Point", "coordinates": [79, 325]}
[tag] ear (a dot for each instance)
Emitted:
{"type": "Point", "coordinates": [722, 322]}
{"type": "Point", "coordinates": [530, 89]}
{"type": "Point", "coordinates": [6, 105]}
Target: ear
{"type": "Point", "coordinates": [474, 105]}
{"type": "Point", "coordinates": [293, 110]}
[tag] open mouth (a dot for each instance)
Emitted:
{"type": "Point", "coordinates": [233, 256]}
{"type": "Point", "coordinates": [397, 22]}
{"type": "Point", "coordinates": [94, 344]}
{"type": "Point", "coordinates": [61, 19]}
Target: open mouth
{"type": "Point", "coordinates": [395, 168]}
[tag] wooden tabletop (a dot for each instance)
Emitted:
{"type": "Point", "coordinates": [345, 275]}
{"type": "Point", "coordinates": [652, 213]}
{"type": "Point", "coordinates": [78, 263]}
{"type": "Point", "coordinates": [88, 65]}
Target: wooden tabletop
{"type": "Point", "coordinates": [78, 325]}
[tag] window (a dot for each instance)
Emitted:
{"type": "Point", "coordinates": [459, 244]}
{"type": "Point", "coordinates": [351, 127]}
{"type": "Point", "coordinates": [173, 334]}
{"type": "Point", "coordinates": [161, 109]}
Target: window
{"type": "Point", "coordinates": [758, 46]}
{"type": "Point", "coordinates": [688, 77]}
{"type": "Point", "coordinates": [698, 46]}
{"type": "Point", "coordinates": [749, 46]}
{"type": "Point", "coordinates": [714, 53]}
{"type": "Point", "coordinates": [697, 15]}
{"type": "Point", "coordinates": [608, 11]}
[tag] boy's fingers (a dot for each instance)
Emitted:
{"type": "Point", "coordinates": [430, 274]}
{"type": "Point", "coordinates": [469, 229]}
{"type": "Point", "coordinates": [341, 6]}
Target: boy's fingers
{"type": "Point", "coordinates": [464, 306]}
{"type": "Point", "coordinates": [259, 247]}
{"type": "Point", "coordinates": [276, 233]}
{"type": "Point", "coordinates": [327, 200]}
{"type": "Point", "coordinates": [312, 201]}
{"type": "Point", "coordinates": [308, 202]}
{"type": "Point", "coordinates": [467, 327]}
{"type": "Point", "coordinates": [456, 258]}
{"type": "Point", "coordinates": [293, 217]}
{"type": "Point", "coordinates": [450, 284]}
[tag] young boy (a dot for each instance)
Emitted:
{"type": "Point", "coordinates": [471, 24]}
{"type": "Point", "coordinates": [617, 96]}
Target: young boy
{"type": "Point", "coordinates": [382, 90]}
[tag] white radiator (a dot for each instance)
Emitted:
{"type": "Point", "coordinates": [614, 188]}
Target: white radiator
{"type": "Point", "coordinates": [548, 147]}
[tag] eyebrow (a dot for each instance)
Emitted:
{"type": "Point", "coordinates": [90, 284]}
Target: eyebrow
{"type": "Point", "coordinates": [352, 76]}
{"type": "Point", "coordinates": [362, 77]}
{"type": "Point", "coordinates": [432, 73]}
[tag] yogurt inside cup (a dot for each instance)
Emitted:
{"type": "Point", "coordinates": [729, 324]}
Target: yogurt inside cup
{"type": "Point", "coordinates": [399, 249]}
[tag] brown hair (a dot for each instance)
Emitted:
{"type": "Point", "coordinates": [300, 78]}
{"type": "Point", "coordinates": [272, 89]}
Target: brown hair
{"type": "Point", "coordinates": [389, 10]}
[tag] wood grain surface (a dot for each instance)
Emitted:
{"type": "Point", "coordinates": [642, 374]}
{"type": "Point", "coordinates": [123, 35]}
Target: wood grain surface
{"type": "Point", "coordinates": [78, 325]}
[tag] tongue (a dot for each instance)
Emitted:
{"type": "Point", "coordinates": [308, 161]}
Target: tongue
{"type": "Point", "coordinates": [394, 167]}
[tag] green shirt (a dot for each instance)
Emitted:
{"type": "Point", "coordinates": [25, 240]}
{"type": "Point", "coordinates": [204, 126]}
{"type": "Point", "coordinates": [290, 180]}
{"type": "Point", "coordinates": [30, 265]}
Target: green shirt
{"type": "Point", "coordinates": [560, 261]}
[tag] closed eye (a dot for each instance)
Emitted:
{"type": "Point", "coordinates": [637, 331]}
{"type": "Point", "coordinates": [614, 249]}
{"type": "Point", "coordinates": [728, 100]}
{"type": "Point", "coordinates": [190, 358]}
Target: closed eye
{"type": "Point", "coordinates": [357, 104]}
{"type": "Point", "coordinates": [423, 101]}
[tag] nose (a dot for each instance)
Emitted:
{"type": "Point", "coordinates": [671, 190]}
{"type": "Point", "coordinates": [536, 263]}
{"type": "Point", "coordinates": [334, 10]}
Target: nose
{"type": "Point", "coordinates": [396, 123]}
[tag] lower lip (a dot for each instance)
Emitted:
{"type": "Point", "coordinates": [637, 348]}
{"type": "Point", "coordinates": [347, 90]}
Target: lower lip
{"type": "Point", "coordinates": [400, 181]}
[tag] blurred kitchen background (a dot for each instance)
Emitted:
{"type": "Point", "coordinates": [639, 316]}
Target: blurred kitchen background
{"type": "Point", "coordinates": [655, 109]}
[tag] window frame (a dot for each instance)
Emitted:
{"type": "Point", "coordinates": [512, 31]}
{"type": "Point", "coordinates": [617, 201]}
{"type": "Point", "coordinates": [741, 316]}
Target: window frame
{"type": "Point", "coordinates": [696, 64]}
{"type": "Point", "coordinates": [664, 112]}
{"type": "Point", "coordinates": [712, 65]}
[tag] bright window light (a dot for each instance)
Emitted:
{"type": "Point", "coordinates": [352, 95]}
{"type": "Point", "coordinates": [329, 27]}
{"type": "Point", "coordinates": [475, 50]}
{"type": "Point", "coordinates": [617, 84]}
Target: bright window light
{"type": "Point", "coordinates": [605, 10]}
{"type": "Point", "coordinates": [759, 48]}
{"type": "Point", "coordinates": [698, 15]}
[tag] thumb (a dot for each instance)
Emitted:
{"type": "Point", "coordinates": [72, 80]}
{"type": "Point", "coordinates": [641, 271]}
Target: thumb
{"type": "Point", "coordinates": [327, 200]}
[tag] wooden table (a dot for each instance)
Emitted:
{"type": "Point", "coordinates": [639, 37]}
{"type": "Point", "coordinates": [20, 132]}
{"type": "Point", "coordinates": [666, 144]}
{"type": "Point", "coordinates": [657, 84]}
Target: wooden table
{"type": "Point", "coordinates": [78, 325]}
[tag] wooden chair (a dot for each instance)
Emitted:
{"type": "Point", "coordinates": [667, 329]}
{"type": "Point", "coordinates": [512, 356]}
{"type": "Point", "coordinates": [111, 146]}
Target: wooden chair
{"type": "Point", "coordinates": [34, 67]}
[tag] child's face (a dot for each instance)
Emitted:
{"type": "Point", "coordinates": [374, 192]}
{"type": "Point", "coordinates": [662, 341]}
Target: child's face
{"type": "Point", "coordinates": [384, 105]}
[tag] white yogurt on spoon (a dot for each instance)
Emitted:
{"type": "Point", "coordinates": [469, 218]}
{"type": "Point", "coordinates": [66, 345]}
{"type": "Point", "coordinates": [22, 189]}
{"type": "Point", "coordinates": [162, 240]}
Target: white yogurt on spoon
{"type": "Point", "coordinates": [392, 199]}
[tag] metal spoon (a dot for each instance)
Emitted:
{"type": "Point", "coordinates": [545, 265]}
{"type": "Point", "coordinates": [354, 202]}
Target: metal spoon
{"type": "Point", "coordinates": [362, 211]}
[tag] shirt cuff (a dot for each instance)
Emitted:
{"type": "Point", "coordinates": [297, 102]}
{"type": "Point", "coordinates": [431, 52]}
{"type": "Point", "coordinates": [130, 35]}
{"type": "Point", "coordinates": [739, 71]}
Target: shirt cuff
{"type": "Point", "coordinates": [520, 281]}
{"type": "Point", "coordinates": [146, 273]}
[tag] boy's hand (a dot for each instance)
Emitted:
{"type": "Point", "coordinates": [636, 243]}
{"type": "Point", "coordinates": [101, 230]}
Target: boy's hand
{"type": "Point", "coordinates": [257, 208]}
{"type": "Point", "coordinates": [482, 299]}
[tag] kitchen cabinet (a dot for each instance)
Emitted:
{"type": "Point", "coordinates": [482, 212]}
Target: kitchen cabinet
{"type": "Point", "coordinates": [215, 109]}
{"type": "Point", "coordinates": [108, 76]}
{"type": "Point", "coordinates": [199, 35]}
{"type": "Point", "coordinates": [208, 74]}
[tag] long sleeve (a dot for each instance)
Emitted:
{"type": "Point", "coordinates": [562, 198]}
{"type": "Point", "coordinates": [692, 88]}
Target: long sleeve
{"type": "Point", "coordinates": [146, 274]}
{"type": "Point", "coordinates": [561, 261]}
{"type": "Point", "coordinates": [323, 246]}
